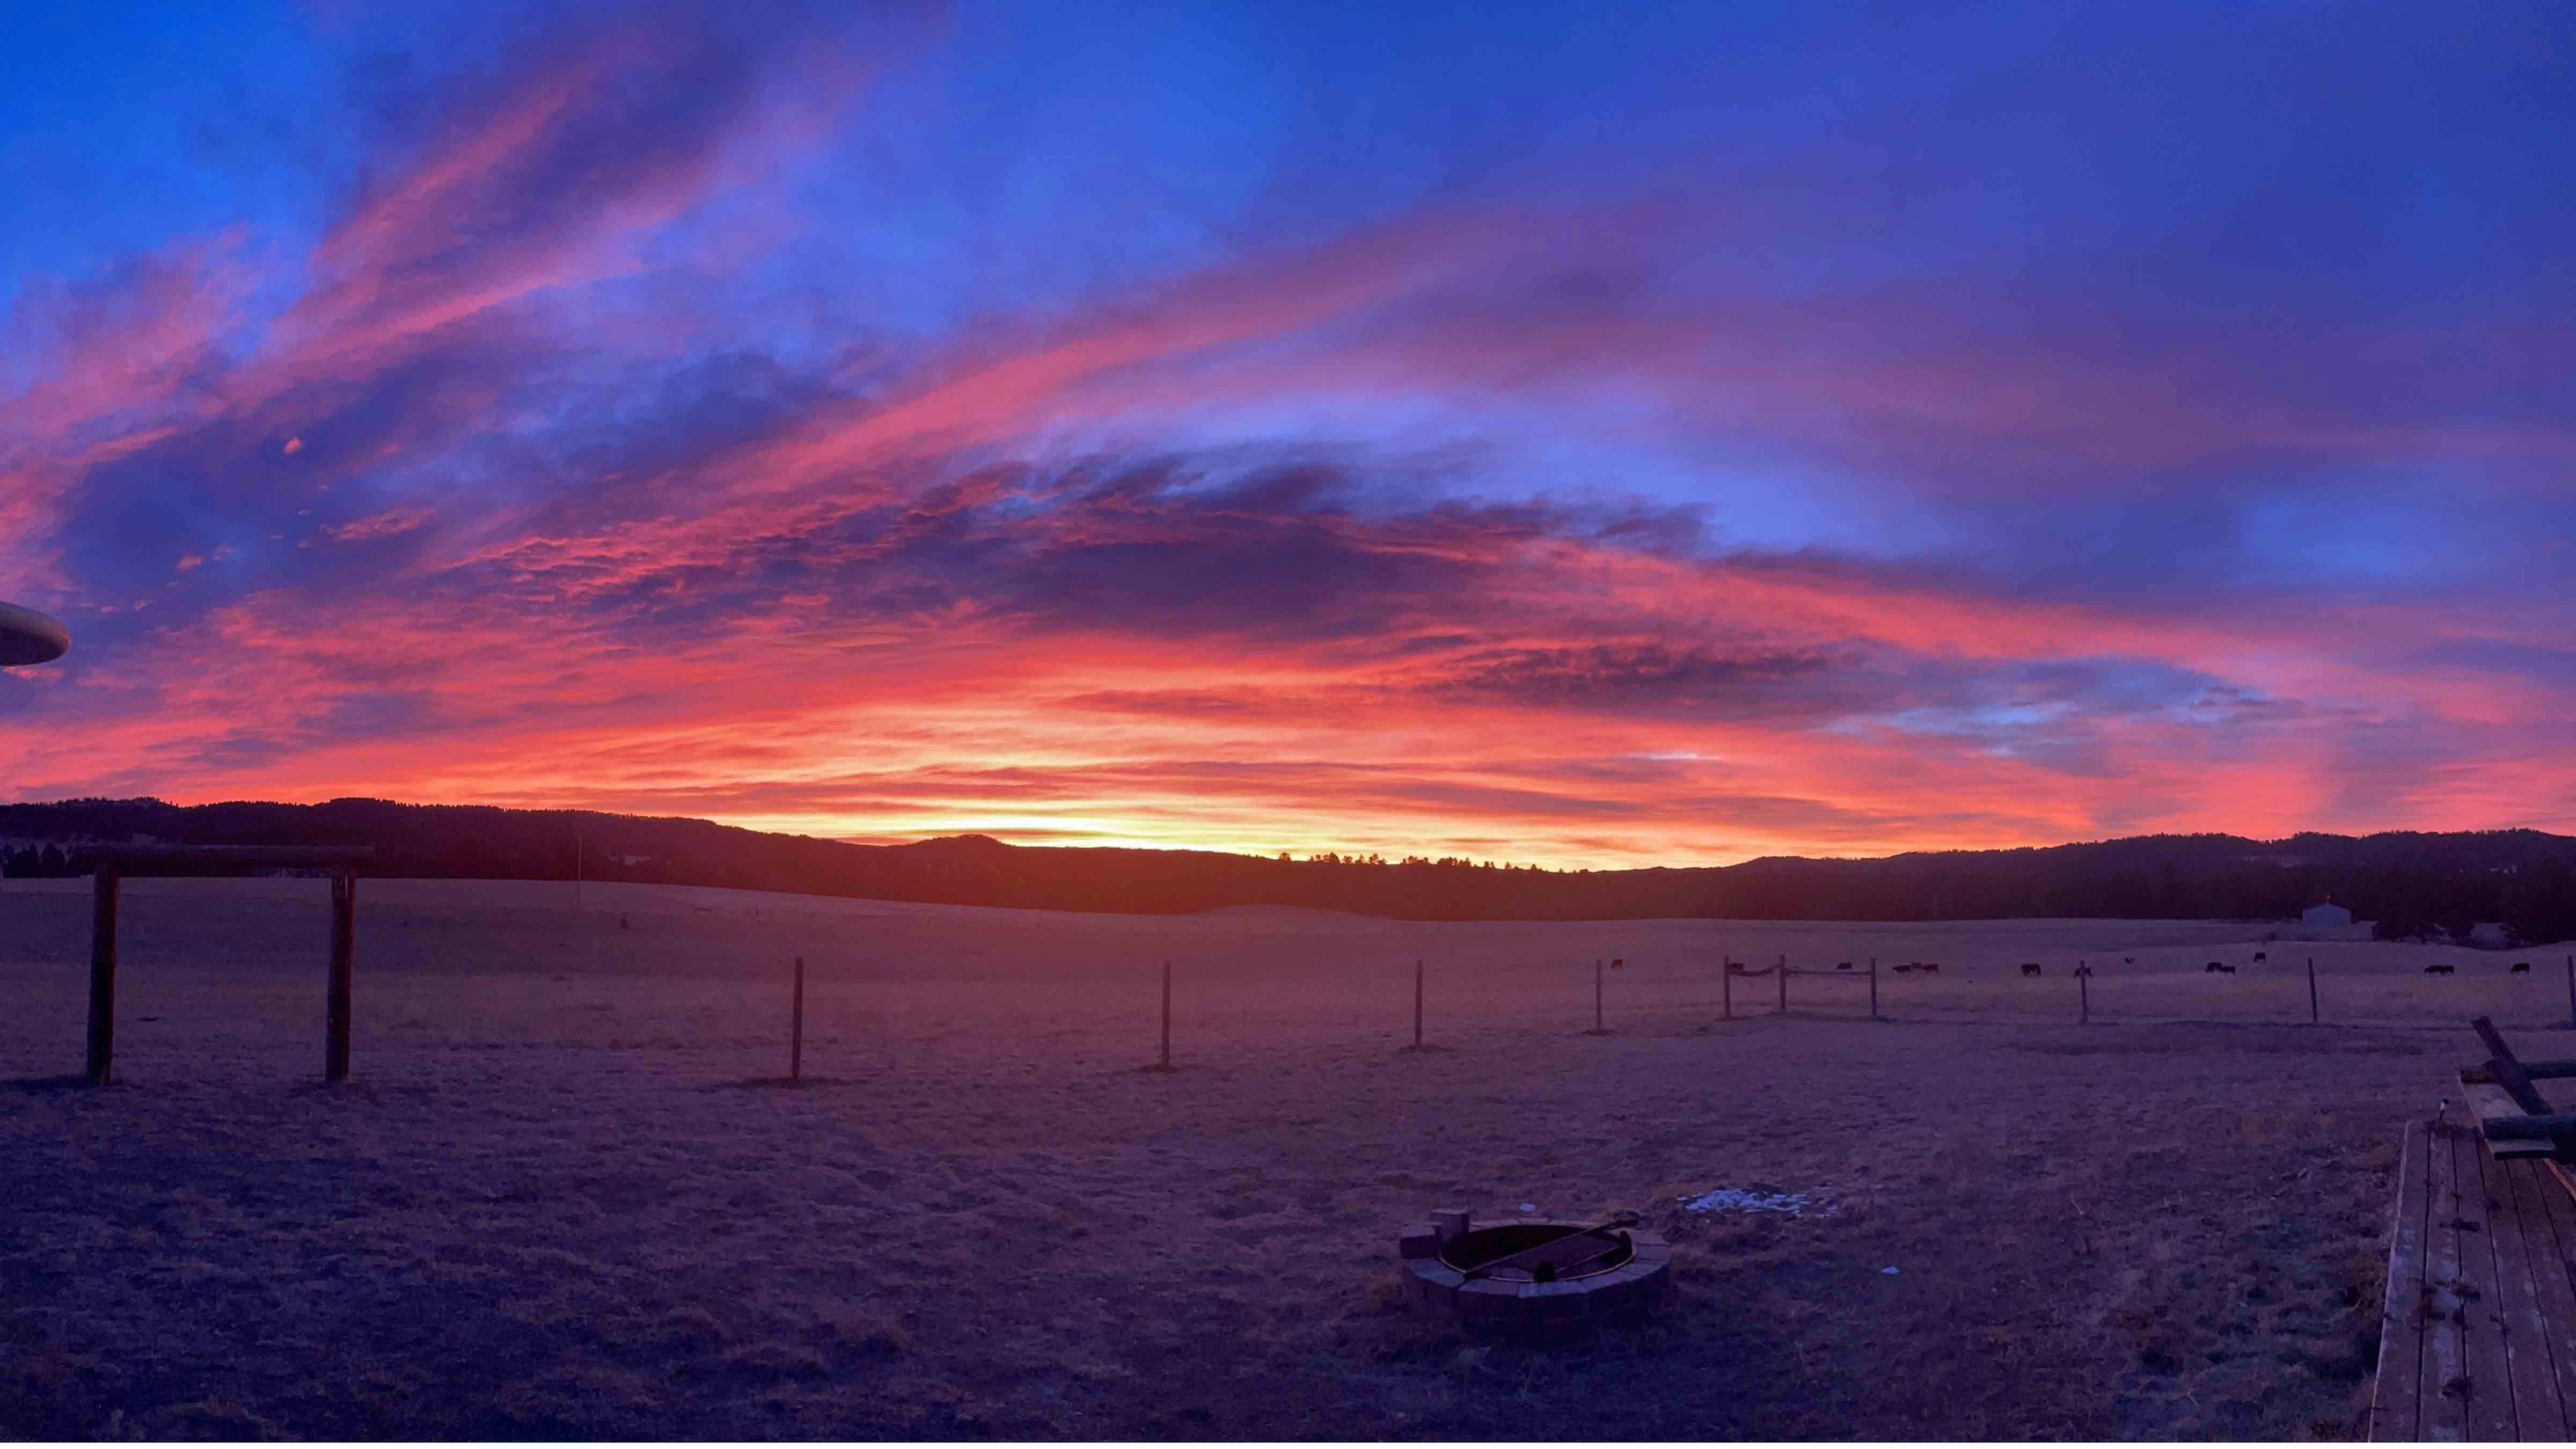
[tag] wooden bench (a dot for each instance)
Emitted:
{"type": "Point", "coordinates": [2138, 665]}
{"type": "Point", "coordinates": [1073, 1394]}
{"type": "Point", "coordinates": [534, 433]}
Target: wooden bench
{"type": "Point", "coordinates": [2478, 1337]}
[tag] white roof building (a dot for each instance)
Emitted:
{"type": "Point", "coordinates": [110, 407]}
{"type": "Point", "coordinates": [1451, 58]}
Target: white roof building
{"type": "Point", "coordinates": [2326, 914]}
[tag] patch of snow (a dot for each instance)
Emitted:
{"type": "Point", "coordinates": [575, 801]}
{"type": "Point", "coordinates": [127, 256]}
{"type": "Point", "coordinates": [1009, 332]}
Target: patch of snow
{"type": "Point", "coordinates": [1756, 1200]}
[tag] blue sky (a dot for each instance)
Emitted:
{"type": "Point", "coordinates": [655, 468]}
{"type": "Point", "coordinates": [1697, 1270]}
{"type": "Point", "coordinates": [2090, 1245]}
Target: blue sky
{"type": "Point", "coordinates": [894, 420]}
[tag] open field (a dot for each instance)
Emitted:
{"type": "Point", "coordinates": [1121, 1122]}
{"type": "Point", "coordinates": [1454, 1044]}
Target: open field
{"type": "Point", "coordinates": [562, 1197]}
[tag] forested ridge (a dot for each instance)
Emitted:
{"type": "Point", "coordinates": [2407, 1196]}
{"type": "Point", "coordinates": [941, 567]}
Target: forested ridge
{"type": "Point", "coordinates": [2408, 881]}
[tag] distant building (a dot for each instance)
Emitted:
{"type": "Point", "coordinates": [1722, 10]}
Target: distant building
{"type": "Point", "coordinates": [2327, 914]}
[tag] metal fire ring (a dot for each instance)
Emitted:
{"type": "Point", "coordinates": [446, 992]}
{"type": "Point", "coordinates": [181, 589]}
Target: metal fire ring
{"type": "Point", "coordinates": [1533, 1272]}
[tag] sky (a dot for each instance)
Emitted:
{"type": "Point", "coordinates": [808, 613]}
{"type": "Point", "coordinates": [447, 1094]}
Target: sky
{"type": "Point", "coordinates": [1581, 435]}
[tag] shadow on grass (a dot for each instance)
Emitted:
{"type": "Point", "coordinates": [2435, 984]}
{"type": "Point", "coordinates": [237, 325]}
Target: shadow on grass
{"type": "Point", "coordinates": [780, 1084]}
{"type": "Point", "coordinates": [71, 1082]}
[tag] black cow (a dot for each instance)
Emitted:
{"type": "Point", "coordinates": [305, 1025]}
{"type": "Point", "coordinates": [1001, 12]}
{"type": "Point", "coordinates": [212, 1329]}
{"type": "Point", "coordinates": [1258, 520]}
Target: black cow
{"type": "Point", "coordinates": [2438, 969]}
{"type": "Point", "coordinates": [2517, 968]}
{"type": "Point", "coordinates": [2217, 966]}
{"type": "Point", "coordinates": [2259, 956]}
{"type": "Point", "coordinates": [2128, 960]}
{"type": "Point", "coordinates": [2030, 968]}
{"type": "Point", "coordinates": [1933, 967]}
{"type": "Point", "coordinates": [1842, 965]}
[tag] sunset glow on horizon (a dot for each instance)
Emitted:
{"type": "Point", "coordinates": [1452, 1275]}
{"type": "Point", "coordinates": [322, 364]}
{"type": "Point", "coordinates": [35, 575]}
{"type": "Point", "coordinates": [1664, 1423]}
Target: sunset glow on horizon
{"type": "Point", "coordinates": [1559, 436]}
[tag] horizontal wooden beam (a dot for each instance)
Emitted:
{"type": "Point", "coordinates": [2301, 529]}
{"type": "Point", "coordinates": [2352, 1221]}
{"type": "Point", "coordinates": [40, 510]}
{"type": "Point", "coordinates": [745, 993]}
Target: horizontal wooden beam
{"type": "Point", "coordinates": [2524, 1129]}
{"type": "Point", "coordinates": [202, 859]}
{"type": "Point", "coordinates": [2483, 1074]}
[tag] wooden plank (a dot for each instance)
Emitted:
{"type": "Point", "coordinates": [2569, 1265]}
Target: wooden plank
{"type": "Point", "coordinates": [2502, 1123]}
{"type": "Point", "coordinates": [2567, 1181]}
{"type": "Point", "coordinates": [2394, 1403]}
{"type": "Point", "coordinates": [2508, 1072]}
{"type": "Point", "coordinates": [2488, 1395]}
{"type": "Point", "coordinates": [2547, 1182]}
{"type": "Point", "coordinates": [135, 860]}
{"type": "Point", "coordinates": [2444, 1412]}
{"type": "Point", "coordinates": [2537, 1071]}
{"type": "Point", "coordinates": [2545, 1346]}
{"type": "Point", "coordinates": [2518, 1125]}
{"type": "Point", "coordinates": [2531, 1375]}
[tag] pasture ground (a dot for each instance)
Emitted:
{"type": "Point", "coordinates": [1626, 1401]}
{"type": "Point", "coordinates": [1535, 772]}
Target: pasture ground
{"type": "Point", "coordinates": [564, 1196]}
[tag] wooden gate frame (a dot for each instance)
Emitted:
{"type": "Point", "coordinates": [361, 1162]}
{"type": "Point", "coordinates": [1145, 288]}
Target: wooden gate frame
{"type": "Point", "coordinates": [113, 864]}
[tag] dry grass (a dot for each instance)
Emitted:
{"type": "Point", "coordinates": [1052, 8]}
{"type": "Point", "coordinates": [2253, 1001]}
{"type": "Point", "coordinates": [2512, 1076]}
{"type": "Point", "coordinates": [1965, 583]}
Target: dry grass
{"type": "Point", "coordinates": [550, 1206]}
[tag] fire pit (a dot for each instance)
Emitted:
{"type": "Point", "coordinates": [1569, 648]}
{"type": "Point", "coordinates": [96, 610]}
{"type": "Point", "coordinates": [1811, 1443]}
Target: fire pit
{"type": "Point", "coordinates": [1534, 1272]}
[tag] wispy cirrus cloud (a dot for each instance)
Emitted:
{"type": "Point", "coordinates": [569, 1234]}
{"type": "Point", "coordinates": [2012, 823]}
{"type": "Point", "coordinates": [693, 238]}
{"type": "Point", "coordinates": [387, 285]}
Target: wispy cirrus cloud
{"type": "Point", "coordinates": [1587, 516]}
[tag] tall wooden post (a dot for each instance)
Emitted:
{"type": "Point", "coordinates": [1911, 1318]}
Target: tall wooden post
{"type": "Point", "coordinates": [2571, 990]}
{"type": "Point", "coordinates": [1167, 1016]}
{"type": "Point", "coordinates": [2083, 993]}
{"type": "Point", "coordinates": [1873, 988]}
{"type": "Point", "coordinates": [1782, 966]}
{"type": "Point", "coordinates": [102, 978]}
{"type": "Point", "coordinates": [1599, 1027]}
{"type": "Point", "coordinates": [1726, 985]}
{"type": "Point", "coordinates": [1417, 1003]}
{"type": "Point", "coordinates": [344, 952]}
{"type": "Point", "coordinates": [796, 1027]}
{"type": "Point", "coordinates": [2312, 991]}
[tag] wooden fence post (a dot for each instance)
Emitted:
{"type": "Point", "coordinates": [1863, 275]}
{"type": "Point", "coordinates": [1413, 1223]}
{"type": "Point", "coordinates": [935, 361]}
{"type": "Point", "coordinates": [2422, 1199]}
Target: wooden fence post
{"type": "Point", "coordinates": [102, 978]}
{"type": "Point", "coordinates": [796, 1026]}
{"type": "Point", "coordinates": [1782, 966]}
{"type": "Point", "coordinates": [2083, 993]}
{"type": "Point", "coordinates": [2312, 991]}
{"type": "Point", "coordinates": [344, 953]}
{"type": "Point", "coordinates": [1417, 1003]}
{"type": "Point", "coordinates": [1726, 985]}
{"type": "Point", "coordinates": [1873, 988]}
{"type": "Point", "coordinates": [1600, 1026]}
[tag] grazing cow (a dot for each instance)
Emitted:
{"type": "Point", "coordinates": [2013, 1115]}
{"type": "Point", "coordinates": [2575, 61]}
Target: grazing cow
{"type": "Point", "coordinates": [2213, 966]}
{"type": "Point", "coordinates": [2128, 960]}
{"type": "Point", "coordinates": [2030, 968]}
{"type": "Point", "coordinates": [2260, 956]}
{"type": "Point", "coordinates": [1932, 966]}
{"type": "Point", "coordinates": [1842, 965]}
{"type": "Point", "coordinates": [2438, 969]}
{"type": "Point", "coordinates": [1903, 967]}
{"type": "Point", "coordinates": [2517, 968]}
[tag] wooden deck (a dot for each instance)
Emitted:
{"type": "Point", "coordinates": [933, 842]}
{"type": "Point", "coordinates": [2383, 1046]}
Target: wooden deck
{"type": "Point", "coordinates": [2479, 1334]}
